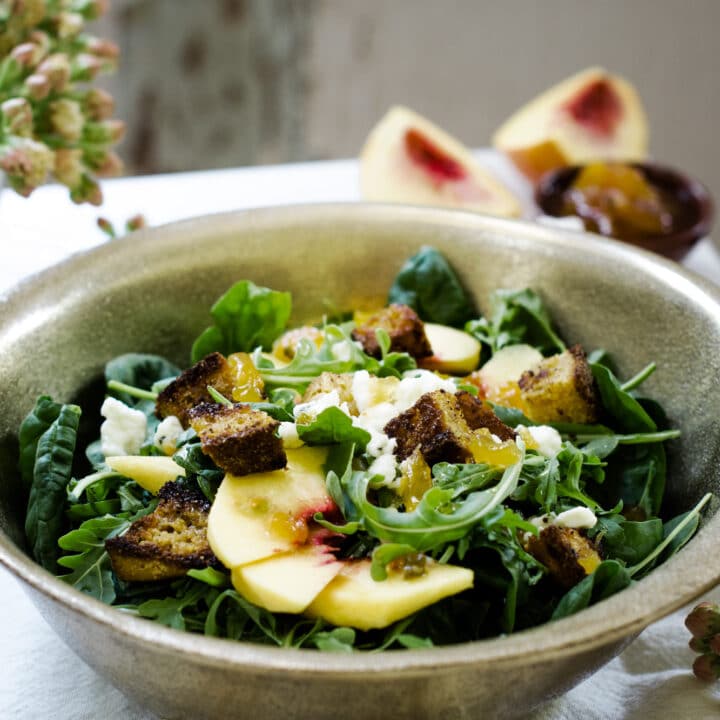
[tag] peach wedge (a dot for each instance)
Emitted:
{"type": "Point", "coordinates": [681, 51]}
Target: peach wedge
{"type": "Point", "coordinates": [590, 116]}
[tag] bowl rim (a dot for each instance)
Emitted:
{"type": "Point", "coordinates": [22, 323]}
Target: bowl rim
{"type": "Point", "coordinates": [637, 606]}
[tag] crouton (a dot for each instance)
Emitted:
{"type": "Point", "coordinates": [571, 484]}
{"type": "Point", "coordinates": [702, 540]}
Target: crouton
{"type": "Point", "coordinates": [190, 387]}
{"type": "Point", "coordinates": [567, 554]}
{"type": "Point", "coordinates": [406, 331]}
{"type": "Point", "coordinates": [327, 382]}
{"type": "Point", "coordinates": [479, 415]}
{"type": "Point", "coordinates": [561, 388]}
{"type": "Point", "coordinates": [166, 543]}
{"type": "Point", "coordinates": [240, 440]}
{"type": "Point", "coordinates": [285, 347]}
{"type": "Point", "coordinates": [436, 424]}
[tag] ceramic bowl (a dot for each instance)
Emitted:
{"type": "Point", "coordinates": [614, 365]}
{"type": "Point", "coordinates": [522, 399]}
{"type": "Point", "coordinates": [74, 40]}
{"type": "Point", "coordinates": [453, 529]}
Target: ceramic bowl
{"type": "Point", "coordinates": [690, 194]}
{"type": "Point", "coordinates": [151, 293]}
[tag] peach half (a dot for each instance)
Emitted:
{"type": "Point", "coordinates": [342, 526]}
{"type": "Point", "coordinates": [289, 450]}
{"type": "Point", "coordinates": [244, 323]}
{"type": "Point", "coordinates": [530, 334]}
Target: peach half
{"type": "Point", "coordinates": [408, 159]}
{"type": "Point", "coordinates": [590, 116]}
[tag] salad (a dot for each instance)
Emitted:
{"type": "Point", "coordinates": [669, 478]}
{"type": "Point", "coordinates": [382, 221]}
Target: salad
{"type": "Point", "coordinates": [415, 476]}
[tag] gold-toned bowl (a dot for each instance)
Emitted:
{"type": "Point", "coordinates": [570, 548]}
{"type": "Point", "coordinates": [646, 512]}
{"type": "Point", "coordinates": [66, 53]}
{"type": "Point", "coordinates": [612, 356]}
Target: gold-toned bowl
{"type": "Point", "coordinates": [151, 293]}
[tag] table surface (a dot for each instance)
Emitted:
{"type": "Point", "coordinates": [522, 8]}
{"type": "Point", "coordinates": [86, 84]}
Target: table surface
{"type": "Point", "coordinates": [41, 678]}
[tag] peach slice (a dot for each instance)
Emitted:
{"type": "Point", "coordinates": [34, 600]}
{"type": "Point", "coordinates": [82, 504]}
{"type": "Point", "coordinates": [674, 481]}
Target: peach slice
{"type": "Point", "coordinates": [590, 116]}
{"type": "Point", "coordinates": [407, 159]}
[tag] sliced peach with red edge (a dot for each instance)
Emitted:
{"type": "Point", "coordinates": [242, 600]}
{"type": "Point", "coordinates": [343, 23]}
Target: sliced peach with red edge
{"type": "Point", "coordinates": [408, 159]}
{"type": "Point", "coordinates": [592, 115]}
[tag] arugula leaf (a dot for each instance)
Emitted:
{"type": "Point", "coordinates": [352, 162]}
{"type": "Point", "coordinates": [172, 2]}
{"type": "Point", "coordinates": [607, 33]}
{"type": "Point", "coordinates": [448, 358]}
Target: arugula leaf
{"type": "Point", "coordinates": [38, 420]}
{"type": "Point", "coordinates": [516, 317]}
{"type": "Point", "coordinates": [246, 317]}
{"type": "Point", "coordinates": [461, 479]}
{"type": "Point", "coordinates": [434, 522]}
{"type": "Point", "coordinates": [199, 467]}
{"type": "Point", "coordinates": [171, 611]}
{"type": "Point", "coordinates": [51, 474]}
{"type": "Point", "coordinates": [384, 554]}
{"type": "Point", "coordinates": [91, 568]}
{"type": "Point", "coordinates": [609, 578]}
{"type": "Point", "coordinates": [341, 639]}
{"type": "Point", "coordinates": [428, 284]}
{"type": "Point", "coordinates": [310, 361]}
{"type": "Point", "coordinates": [332, 426]}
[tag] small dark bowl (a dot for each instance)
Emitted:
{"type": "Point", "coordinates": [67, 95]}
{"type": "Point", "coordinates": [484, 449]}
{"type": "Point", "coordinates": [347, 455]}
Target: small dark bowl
{"type": "Point", "coordinates": [693, 196]}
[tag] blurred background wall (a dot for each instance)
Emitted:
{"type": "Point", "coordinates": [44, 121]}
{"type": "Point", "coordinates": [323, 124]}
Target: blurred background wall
{"type": "Point", "coordinates": [213, 83]}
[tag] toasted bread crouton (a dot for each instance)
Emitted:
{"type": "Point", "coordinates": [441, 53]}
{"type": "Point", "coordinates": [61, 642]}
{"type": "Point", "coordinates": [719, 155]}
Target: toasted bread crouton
{"type": "Point", "coordinates": [479, 415]}
{"type": "Point", "coordinates": [240, 440]}
{"type": "Point", "coordinates": [327, 382]}
{"type": "Point", "coordinates": [567, 554]}
{"type": "Point", "coordinates": [401, 323]}
{"type": "Point", "coordinates": [190, 387]}
{"type": "Point", "coordinates": [166, 543]}
{"type": "Point", "coordinates": [561, 388]}
{"type": "Point", "coordinates": [436, 425]}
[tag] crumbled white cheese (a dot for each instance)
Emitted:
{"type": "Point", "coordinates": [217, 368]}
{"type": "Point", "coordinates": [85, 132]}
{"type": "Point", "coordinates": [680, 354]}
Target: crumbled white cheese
{"type": "Point", "coordinates": [124, 429]}
{"type": "Point", "coordinates": [167, 434]}
{"type": "Point", "coordinates": [577, 517]}
{"type": "Point", "coordinates": [289, 435]}
{"type": "Point", "coordinates": [385, 466]}
{"type": "Point", "coordinates": [546, 439]}
{"type": "Point", "coordinates": [341, 350]}
{"type": "Point", "coordinates": [306, 412]}
{"type": "Point", "coordinates": [416, 383]}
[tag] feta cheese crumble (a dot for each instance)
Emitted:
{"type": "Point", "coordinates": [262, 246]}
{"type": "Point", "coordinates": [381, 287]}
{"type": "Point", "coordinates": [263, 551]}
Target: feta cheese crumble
{"type": "Point", "coordinates": [289, 435]}
{"type": "Point", "coordinates": [167, 434]}
{"type": "Point", "coordinates": [124, 429]}
{"type": "Point", "coordinates": [546, 439]}
{"type": "Point", "coordinates": [576, 518]}
{"type": "Point", "coordinates": [306, 412]}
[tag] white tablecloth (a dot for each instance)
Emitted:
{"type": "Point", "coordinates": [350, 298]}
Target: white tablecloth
{"type": "Point", "coordinates": [41, 678]}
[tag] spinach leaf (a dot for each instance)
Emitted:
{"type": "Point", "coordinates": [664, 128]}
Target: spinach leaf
{"type": "Point", "coordinates": [609, 577]}
{"type": "Point", "coordinates": [428, 284]}
{"type": "Point", "coordinates": [90, 565]}
{"type": "Point", "coordinates": [635, 475]}
{"type": "Point", "coordinates": [246, 317]}
{"type": "Point", "coordinates": [627, 413]}
{"type": "Point", "coordinates": [628, 540]}
{"type": "Point", "coordinates": [516, 317]}
{"type": "Point", "coordinates": [140, 371]}
{"type": "Point", "coordinates": [38, 420]}
{"type": "Point", "coordinates": [51, 474]}
{"type": "Point", "coordinates": [332, 426]}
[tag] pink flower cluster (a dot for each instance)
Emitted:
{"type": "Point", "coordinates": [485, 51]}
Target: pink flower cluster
{"type": "Point", "coordinates": [53, 123]}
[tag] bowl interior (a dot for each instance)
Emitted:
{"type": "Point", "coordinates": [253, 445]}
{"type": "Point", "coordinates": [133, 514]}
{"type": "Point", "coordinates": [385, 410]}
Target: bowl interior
{"type": "Point", "coordinates": [152, 293]}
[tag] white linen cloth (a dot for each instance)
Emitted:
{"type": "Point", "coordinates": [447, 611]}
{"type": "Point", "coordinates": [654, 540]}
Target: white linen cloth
{"type": "Point", "coordinates": [41, 678]}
